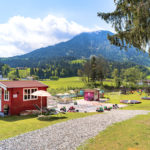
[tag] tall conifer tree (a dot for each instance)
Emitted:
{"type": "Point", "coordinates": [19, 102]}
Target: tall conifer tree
{"type": "Point", "coordinates": [131, 21]}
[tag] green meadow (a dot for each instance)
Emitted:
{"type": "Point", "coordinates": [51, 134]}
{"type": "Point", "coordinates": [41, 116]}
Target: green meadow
{"type": "Point", "coordinates": [115, 98]}
{"type": "Point", "coordinates": [23, 73]}
{"type": "Point", "coordinates": [64, 84]}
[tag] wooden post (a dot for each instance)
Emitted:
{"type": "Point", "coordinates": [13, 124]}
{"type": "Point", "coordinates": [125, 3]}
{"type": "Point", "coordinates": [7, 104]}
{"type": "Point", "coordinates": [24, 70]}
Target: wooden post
{"type": "Point", "coordinates": [41, 105]}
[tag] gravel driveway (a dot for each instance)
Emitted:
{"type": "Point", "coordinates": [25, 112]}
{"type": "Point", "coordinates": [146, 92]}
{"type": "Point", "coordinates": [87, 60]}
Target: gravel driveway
{"type": "Point", "coordinates": [67, 135]}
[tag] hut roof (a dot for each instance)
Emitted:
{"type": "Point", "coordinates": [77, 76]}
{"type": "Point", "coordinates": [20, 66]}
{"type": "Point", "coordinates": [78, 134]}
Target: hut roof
{"type": "Point", "coordinates": [21, 84]}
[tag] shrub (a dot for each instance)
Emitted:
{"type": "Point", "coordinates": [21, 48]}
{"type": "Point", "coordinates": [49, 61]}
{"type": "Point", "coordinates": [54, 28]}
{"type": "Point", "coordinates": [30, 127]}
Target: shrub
{"type": "Point", "coordinates": [54, 77]}
{"type": "Point", "coordinates": [44, 117]}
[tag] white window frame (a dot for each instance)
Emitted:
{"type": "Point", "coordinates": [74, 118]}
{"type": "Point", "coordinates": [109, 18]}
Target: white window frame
{"type": "Point", "coordinates": [35, 97]}
{"type": "Point", "coordinates": [6, 94]}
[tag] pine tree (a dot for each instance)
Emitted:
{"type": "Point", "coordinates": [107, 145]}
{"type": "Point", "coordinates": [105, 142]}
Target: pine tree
{"type": "Point", "coordinates": [17, 73]}
{"type": "Point", "coordinates": [93, 68]}
{"type": "Point", "coordinates": [116, 77]}
{"type": "Point", "coordinates": [131, 21]}
{"type": "Point", "coordinates": [32, 72]}
{"type": "Point", "coordinates": [101, 69]}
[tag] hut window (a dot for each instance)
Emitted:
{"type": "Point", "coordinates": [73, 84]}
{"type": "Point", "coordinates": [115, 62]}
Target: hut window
{"type": "Point", "coordinates": [6, 95]}
{"type": "Point", "coordinates": [27, 94]}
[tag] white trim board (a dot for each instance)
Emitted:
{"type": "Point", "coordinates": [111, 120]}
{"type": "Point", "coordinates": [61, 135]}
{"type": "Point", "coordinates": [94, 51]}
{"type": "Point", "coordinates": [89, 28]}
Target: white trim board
{"type": "Point", "coordinates": [3, 86]}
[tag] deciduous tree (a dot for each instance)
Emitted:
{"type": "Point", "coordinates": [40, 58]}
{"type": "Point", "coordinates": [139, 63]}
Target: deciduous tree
{"type": "Point", "coordinates": [116, 77]}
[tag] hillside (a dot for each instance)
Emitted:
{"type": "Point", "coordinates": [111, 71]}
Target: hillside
{"type": "Point", "coordinates": [81, 46]}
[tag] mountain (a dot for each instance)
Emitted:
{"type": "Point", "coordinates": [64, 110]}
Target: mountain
{"type": "Point", "coordinates": [81, 46]}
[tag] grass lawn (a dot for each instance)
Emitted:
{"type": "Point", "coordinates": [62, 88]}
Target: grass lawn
{"type": "Point", "coordinates": [15, 125]}
{"type": "Point", "coordinates": [109, 82]}
{"type": "Point", "coordinates": [148, 77]}
{"type": "Point", "coordinates": [64, 84]}
{"type": "Point", "coordinates": [133, 134]}
{"type": "Point", "coordinates": [115, 98]}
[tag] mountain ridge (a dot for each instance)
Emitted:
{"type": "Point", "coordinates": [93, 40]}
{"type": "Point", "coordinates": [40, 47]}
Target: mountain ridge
{"type": "Point", "coordinates": [83, 46]}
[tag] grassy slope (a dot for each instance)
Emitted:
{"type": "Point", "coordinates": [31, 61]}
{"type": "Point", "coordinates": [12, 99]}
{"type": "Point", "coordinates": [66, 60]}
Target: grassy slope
{"type": "Point", "coordinates": [15, 125]}
{"type": "Point", "coordinates": [133, 134]}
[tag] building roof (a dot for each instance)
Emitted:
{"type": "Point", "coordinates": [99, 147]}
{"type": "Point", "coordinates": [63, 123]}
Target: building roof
{"type": "Point", "coordinates": [91, 90]}
{"type": "Point", "coordinates": [21, 84]}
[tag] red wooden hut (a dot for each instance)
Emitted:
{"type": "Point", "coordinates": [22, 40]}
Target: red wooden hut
{"type": "Point", "coordinates": [91, 94]}
{"type": "Point", "coordinates": [17, 95]}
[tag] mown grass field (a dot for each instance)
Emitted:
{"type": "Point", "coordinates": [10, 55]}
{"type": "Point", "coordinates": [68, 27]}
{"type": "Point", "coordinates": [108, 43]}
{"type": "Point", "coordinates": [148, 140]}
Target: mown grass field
{"type": "Point", "coordinates": [15, 125]}
{"type": "Point", "coordinates": [109, 82]}
{"type": "Point", "coordinates": [115, 98]}
{"type": "Point", "coordinates": [133, 134]}
{"type": "Point", "coordinates": [64, 84]}
{"type": "Point", "coordinates": [148, 77]}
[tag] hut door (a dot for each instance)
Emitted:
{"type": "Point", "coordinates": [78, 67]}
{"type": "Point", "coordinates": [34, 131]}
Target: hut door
{"type": "Point", "coordinates": [0, 99]}
{"type": "Point", "coordinates": [95, 96]}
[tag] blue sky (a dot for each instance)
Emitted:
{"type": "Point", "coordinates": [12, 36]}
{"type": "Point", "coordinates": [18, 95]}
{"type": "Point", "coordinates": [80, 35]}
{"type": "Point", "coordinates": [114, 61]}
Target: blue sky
{"type": "Point", "coordinates": [47, 22]}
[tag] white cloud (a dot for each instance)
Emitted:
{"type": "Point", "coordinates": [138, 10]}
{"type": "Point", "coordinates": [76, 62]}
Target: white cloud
{"type": "Point", "coordinates": [21, 35]}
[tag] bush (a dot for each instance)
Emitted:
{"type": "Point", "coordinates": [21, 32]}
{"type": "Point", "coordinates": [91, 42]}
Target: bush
{"type": "Point", "coordinates": [44, 117]}
{"type": "Point", "coordinates": [54, 77]}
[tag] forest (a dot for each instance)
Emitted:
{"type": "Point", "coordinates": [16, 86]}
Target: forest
{"type": "Point", "coordinates": [92, 71]}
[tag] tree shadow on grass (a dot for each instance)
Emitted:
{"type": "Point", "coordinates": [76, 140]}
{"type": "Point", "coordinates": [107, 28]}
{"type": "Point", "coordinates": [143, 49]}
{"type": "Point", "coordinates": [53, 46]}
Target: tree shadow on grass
{"type": "Point", "coordinates": [52, 118]}
{"type": "Point", "coordinates": [17, 118]}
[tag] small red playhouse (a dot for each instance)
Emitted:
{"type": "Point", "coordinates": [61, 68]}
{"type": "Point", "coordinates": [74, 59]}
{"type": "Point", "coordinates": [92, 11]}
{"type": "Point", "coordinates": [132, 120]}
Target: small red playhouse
{"type": "Point", "coordinates": [17, 96]}
{"type": "Point", "coordinates": [91, 95]}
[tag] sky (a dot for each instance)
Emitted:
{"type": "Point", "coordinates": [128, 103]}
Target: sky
{"type": "Point", "coordinates": [26, 25]}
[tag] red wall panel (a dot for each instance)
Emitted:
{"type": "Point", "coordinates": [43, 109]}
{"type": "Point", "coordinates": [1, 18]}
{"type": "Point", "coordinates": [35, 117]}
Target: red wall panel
{"type": "Point", "coordinates": [17, 105]}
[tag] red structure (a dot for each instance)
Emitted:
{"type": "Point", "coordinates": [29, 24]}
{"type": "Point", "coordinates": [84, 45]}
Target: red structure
{"type": "Point", "coordinates": [91, 95]}
{"type": "Point", "coordinates": [17, 96]}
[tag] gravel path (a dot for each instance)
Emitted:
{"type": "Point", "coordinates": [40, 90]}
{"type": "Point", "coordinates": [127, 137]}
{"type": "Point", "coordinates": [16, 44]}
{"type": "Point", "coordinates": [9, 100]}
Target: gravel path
{"type": "Point", "coordinates": [67, 135]}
